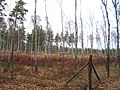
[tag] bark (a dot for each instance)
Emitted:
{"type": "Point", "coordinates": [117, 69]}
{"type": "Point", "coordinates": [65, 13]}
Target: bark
{"type": "Point", "coordinates": [25, 48]}
{"type": "Point", "coordinates": [82, 40]}
{"type": "Point", "coordinates": [108, 42]}
{"type": "Point", "coordinates": [73, 55]}
{"type": "Point", "coordinates": [76, 31]}
{"type": "Point", "coordinates": [63, 41]}
{"type": "Point", "coordinates": [72, 51]}
{"type": "Point", "coordinates": [104, 31]}
{"type": "Point", "coordinates": [18, 47]}
{"type": "Point", "coordinates": [31, 48]}
{"type": "Point", "coordinates": [21, 38]}
{"type": "Point", "coordinates": [35, 49]}
{"type": "Point", "coordinates": [115, 4]}
{"type": "Point", "coordinates": [12, 47]}
{"type": "Point", "coordinates": [48, 39]}
{"type": "Point", "coordinates": [12, 53]}
{"type": "Point", "coordinates": [91, 37]}
{"type": "Point", "coordinates": [49, 46]}
{"type": "Point", "coordinates": [8, 47]}
{"type": "Point", "coordinates": [98, 43]}
{"type": "Point", "coordinates": [39, 42]}
{"type": "Point", "coordinates": [46, 42]}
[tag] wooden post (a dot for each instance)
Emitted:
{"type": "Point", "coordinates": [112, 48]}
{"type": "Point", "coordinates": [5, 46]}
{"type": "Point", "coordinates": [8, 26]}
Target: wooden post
{"type": "Point", "coordinates": [90, 72]}
{"type": "Point", "coordinates": [76, 73]}
{"type": "Point", "coordinates": [95, 73]}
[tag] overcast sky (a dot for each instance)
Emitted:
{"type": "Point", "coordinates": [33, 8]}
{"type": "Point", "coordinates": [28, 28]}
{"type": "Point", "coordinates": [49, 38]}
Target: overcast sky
{"type": "Point", "coordinates": [89, 7]}
{"type": "Point", "coordinates": [53, 9]}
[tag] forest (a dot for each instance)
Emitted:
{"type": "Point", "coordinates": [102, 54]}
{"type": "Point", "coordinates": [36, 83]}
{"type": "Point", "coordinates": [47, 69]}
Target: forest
{"type": "Point", "coordinates": [83, 55]}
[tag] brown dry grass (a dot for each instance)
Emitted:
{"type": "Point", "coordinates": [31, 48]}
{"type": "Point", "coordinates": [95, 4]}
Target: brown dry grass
{"type": "Point", "coordinates": [52, 74]}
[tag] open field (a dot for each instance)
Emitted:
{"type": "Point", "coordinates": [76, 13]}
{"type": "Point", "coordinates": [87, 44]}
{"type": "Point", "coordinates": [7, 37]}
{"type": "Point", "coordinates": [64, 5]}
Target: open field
{"type": "Point", "coordinates": [53, 74]}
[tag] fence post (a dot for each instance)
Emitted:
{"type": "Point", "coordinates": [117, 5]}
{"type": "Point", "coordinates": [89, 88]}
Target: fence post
{"type": "Point", "coordinates": [90, 72]}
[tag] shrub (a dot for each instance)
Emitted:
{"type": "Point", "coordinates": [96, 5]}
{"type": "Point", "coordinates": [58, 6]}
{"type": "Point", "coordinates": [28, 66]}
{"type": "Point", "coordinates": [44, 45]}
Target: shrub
{"type": "Point", "coordinates": [6, 67]}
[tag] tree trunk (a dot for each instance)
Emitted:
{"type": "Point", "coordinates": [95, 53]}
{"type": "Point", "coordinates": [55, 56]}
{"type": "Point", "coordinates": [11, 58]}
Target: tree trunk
{"type": "Point", "coordinates": [39, 42]}
{"type": "Point", "coordinates": [48, 33]}
{"type": "Point", "coordinates": [18, 47]}
{"type": "Point", "coordinates": [82, 41]}
{"type": "Point", "coordinates": [31, 49]}
{"type": "Point", "coordinates": [0, 41]}
{"type": "Point", "coordinates": [72, 51]}
{"type": "Point", "coordinates": [108, 42]}
{"type": "Point", "coordinates": [118, 57]}
{"type": "Point", "coordinates": [35, 49]}
{"type": "Point", "coordinates": [63, 41]}
{"type": "Point", "coordinates": [12, 53]}
{"type": "Point", "coordinates": [76, 31]}
{"type": "Point", "coordinates": [115, 4]}
{"type": "Point", "coordinates": [104, 31]}
{"type": "Point", "coordinates": [8, 47]}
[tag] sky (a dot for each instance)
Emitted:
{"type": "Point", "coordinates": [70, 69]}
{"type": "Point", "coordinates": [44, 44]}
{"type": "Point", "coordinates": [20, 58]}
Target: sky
{"type": "Point", "coordinates": [89, 7]}
{"type": "Point", "coordinates": [53, 10]}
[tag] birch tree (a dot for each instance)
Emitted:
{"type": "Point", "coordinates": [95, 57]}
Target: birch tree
{"type": "Point", "coordinates": [98, 42]}
{"type": "Point", "coordinates": [76, 31]}
{"type": "Point", "coordinates": [46, 27]}
{"type": "Point", "coordinates": [104, 28]}
{"type": "Point", "coordinates": [72, 41]}
{"type": "Point", "coordinates": [70, 27]}
{"type": "Point", "coordinates": [50, 39]}
{"type": "Point", "coordinates": [82, 40]}
{"type": "Point", "coordinates": [38, 30]}
{"type": "Point", "coordinates": [105, 4]}
{"type": "Point", "coordinates": [63, 44]}
{"type": "Point", "coordinates": [57, 40]}
{"type": "Point", "coordinates": [12, 33]}
{"type": "Point", "coordinates": [91, 18]}
{"type": "Point", "coordinates": [113, 41]}
{"type": "Point", "coordinates": [60, 2]}
{"type": "Point", "coordinates": [48, 30]}
{"type": "Point", "coordinates": [66, 39]}
{"type": "Point", "coordinates": [10, 21]}
{"type": "Point", "coordinates": [115, 4]}
{"type": "Point", "coordinates": [36, 48]}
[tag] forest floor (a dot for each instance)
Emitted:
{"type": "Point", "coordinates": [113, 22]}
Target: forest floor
{"type": "Point", "coordinates": [53, 76]}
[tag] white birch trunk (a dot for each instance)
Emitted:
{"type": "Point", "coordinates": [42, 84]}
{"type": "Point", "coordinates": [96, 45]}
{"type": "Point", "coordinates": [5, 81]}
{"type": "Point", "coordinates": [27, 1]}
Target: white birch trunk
{"type": "Point", "coordinates": [82, 40]}
{"type": "Point", "coordinates": [76, 31]}
{"type": "Point", "coordinates": [35, 48]}
{"type": "Point", "coordinates": [18, 47]}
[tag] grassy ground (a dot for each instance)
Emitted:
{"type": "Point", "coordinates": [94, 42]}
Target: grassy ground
{"type": "Point", "coordinates": [54, 74]}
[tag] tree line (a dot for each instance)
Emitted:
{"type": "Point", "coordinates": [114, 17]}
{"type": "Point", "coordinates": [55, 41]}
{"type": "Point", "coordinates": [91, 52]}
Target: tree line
{"type": "Point", "coordinates": [13, 36]}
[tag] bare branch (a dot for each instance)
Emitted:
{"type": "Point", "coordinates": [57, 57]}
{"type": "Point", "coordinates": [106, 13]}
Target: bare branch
{"type": "Point", "coordinates": [118, 2]}
{"type": "Point", "coordinates": [104, 2]}
{"type": "Point", "coordinates": [113, 2]}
